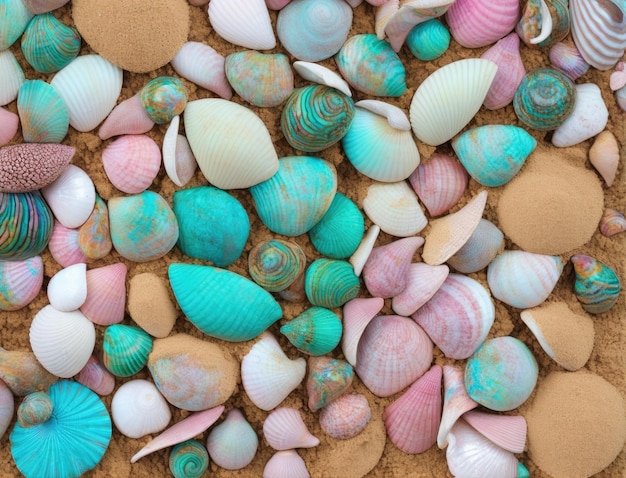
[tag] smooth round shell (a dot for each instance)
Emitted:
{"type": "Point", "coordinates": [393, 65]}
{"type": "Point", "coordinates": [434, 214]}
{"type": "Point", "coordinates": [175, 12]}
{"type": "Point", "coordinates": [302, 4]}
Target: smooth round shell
{"type": "Point", "coordinates": [163, 98]}
{"type": "Point", "coordinates": [72, 196]}
{"type": "Point", "coordinates": [36, 408]}
{"type": "Point", "coordinates": [233, 443]}
{"type": "Point", "coordinates": [139, 409]}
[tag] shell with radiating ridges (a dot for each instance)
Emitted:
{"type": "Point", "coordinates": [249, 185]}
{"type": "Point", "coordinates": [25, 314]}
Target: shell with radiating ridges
{"type": "Point", "coordinates": [286, 464]}
{"type": "Point", "coordinates": [328, 379]}
{"type": "Point", "coordinates": [357, 313]}
{"type": "Point", "coordinates": [188, 459]}
{"type": "Point", "coordinates": [506, 54]}
{"type": "Point", "coordinates": [330, 283]}
{"type": "Point", "coordinates": [428, 40]}
{"type": "Point", "coordinates": [604, 155]}
{"type": "Point", "coordinates": [67, 289]}
{"type": "Point", "coordinates": [36, 408]}
{"type": "Point", "coordinates": [72, 196]}
{"type": "Point", "coordinates": [506, 431]}
{"type": "Point", "coordinates": [477, 23]}
{"type": "Point", "coordinates": [15, 19]}
{"type": "Point", "coordinates": [316, 331]}
{"type": "Point", "coordinates": [479, 250]}
{"type": "Point", "coordinates": [423, 282]}
{"type": "Point", "coordinates": [233, 443]}
{"type": "Point", "coordinates": [346, 416]}
{"type": "Point", "coordinates": [125, 349]}
{"type": "Point", "coordinates": [96, 377]}
{"type": "Point", "coordinates": [132, 162]}
{"type": "Point", "coordinates": [63, 246]}
{"type": "Point", "coordinates": [597, 285]}
{"type": "Point", "coordinates": [43, 114]}
{"type": "Point", "coordinates": [567, 58]}
{"type": "Point", "coordinates": [202, 65]}
{"type": "Point", "coordinates": [612, 222]}
{"type": "Point", "coordinates": [106, 294]}
{"type": "Point", "coordinates": [11, 77]}
{"type": "Point", "coordinates": [243, 22]}
{"type": "Point", "coordinates": [284, 429]}
{"type": "Point", "coordinates": [48, 44]}
{"type": "Point", "coordinates": [20, 282]}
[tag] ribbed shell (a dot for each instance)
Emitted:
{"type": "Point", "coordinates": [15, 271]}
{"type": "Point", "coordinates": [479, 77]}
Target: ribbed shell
{"type": "Point", "coordinates": [233, 443]}
{"type": "Point", "coordinates": [424, 281]}
{"type": "Point", "coordinates": [125, 349]}
{"type": "Point", "coordinates": [316, 331]}
{"type": "Point", "coordinates": [243, 22]}
{"type": "Point", "coordinates": [48, 44]}
{"type": "Point", "coordinates": [428, 40]}
{"type": "Point", "coordinates": [345, 417]}
{"type": "Point", "coordinates": [106, 294]}
{"type": "Point", "coordinates": [597, 286]}
{"type": "Point", "coordinates": [506, 54]}
{"type": "Point", "coordinates": [43, 114]}
{"type": "Point", "coordinates": [275, 264]}
{"type": "Point", "coordinates": [330, 283]}
{"type": "Point", "coordinates": [506, 431]}
{"type": "Point", "coordinates": [284, 429]}
{"type": "Point", "coordinates": [11, 77]}
{"type": "Point", "coordinates": [20, 282]}
{"type": "Point", "coordinates": [357, 313]}
{"type": "Point", "coordinates": [63, 246]}
{"type": "Point", "coordinates": [14, 21]}
{"type": "Point", "coordinates": [327, 380]}
{"type": "Point", "coordinates": [202, 65]}
{"type": "Point", "coordinates": [567, 58]}
{"type": "Point", "coordinates": [456, 402]}
{"type": "Point", "coordinates": [285, 464]}
{"type": "Point", "coordinates": [188, 459]}
{"type": "Point", "coordinates": [477, 23]}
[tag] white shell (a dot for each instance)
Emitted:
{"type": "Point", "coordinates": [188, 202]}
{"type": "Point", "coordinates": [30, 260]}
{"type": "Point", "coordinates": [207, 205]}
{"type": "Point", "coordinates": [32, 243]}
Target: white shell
{"type": "Point", "coordinates": [90, 87]}
{"type": "Point", "coordinates": [357, 313]}
{"type": "Point", "coordinates": [317, 73]}
{"type": "Point", "coordinates": [449, 98]}
{"type": "Point", "coordinates": [62, 341]}
{"type": "Point", "coordinates": [285, 464]}
{"type": "Point", "coordinates": [456, 402]}
{"type": "Point", "coordinates": [384, 13]}
{"type": "Point", "coordinates": [284, 429]}
{"type": "Point", "coordinates": [362, 253]}
{"type": "Point", "coordinates": [11, 77]}
{"type": "Point", "coordinates": [67, 289]}
{"type": "Point", "coordinates": [178, 159]}
{"type": "Point", "coordinates": [71, 197]}
{"type": "Point", "coordinates": [243, 22]}
{"type": "Point", "coordinates": [424, 281]}
{"type": "Point", "coordinates": [396, 118]}
{"type": "Point", "coordinates": [479, 250]}
{"type": "Point", "coordinates": [138, 409]}
{"type": "Point", "coordinates": [233, 443]}
{"type": "Point", "coordinates": [202, 65]}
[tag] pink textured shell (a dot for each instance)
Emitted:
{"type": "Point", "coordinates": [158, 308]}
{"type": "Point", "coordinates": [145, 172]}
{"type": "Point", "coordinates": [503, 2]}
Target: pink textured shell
{"type": "Point", "coordinates": [346, 417]}
{"type": "Point", "coordinates": [106, 294]}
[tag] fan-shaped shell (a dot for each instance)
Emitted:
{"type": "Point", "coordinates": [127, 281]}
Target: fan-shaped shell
{"type": "Point", "coordinates": [233, 443]}
{"type": "Point", "coordinates": [67, 289]}
{"type": "Point", "coordinates": [567, 58]}
{"type": "Point", "coordinates": [357, 313]}
{"type": "Point", "coordinates": [506, 54]}
{"type": "Point", "coordinates": [316, 331]}
{"type": "Point", "coordinates": [423, 282]}
{"type": "Point", "coordinates": [48, 44]}
{"type": "Point", "coordinates": [20, 282]}
{"type": "Point", "coordinates": [285, 464]}
{"type": "Point", "coordinates": [11, 76]}
{"type": "Point", "coordinates": [346, 416]}
{"type": "Point", "coordinates": [138, 409]}
{"type": "Point", "coordinates": [125, 349]}
{"type": "Point", "coordinates": [456, 402]}
{"type": "Point", "coordinates": [330, 283]}
{"type": "Point", "coordinates": [188, 459]}
{"type": "Point", "coordinates": [284, 429]}
{"type": "Point", "coordinates": [476, 23]}
{"type": "Point", "coordinates": [506, 431]}
{"type": "Point", "coordinates": [43, 114]}
{"type": "Point", "coordinates": [202, 65]}
{"type": "Point", "coordinates": [63, 246]}
{"type": "Point", "coordinates": [14, 21]}
{"type": "Point", "coordinates": [243, 22]}
{"type": "Point", "coordinates": [71, 196]}
{"type": "Point", "coordinates": [479, 250]}
{"type": "Point", "coordinates": [106, 294]}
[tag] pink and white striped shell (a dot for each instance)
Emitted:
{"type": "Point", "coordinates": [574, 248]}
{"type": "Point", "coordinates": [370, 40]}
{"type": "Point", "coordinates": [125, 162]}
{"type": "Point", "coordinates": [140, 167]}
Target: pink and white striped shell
{"type": "Point", "coordinates": [612, 222]}
{"type": "Point", "coordinates": [233, 443]}
{"type": "Point", "coordinates": [456, 402]}
{"type": "Point", "coordinates": [357, 313]}
{"type": "Point", "coordinates": [95, 376]}
{"type": "Point", "coordinates": [20, 282]}
{"type": "Point", "coordinates": [285, 464]}
{"type": "Point", "coordinates": [128, 117]}
{"type": "Point", "coordinates": [67, 289]}
{"type": "Point", "coordinates": [132, 162]}
{"type": "Point", "coordinates": [424, 281]}
{"type": "Point", "coordinates": [284, 429]}
{"type": "Point", "coordinates": [202, 65]}
{"type": "Point", "coordinates": [505, 53]}
{"type": "Point", "coordinates": [106, 294]}
{"type": "Point", "coordinates": [64, 246]}
{"type": "Point", "coordinates": [477, 23]}
{"type": "Point", "coordinates": [345, 417]}
{"type": "Point", "coordinates": [506, 431]}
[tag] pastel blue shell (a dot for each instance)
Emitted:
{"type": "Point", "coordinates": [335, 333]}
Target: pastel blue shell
{"type": "Point", "coordinates": [43, 113]}
{"type": "Point", "coordinates": [71, 442]}
{"type": "Point", "coordinates": [428, 40]}
{"type": "Point", "coordinates": [316, 331]}
{"type": "Point", "coordinates": [221, 303]}
{"type": "Point", "coordinates": [188, 459]}
{"type": "Point", "coordinates": [13, 21]}
{"type": "Point", "coordinates": [125, 349]}
{"type": "Point", "coordinates": [597, 286]}
{"type": "Point", "coordinates": [213, 225]}
{"type": "Point", "coordinates": [330, 283]}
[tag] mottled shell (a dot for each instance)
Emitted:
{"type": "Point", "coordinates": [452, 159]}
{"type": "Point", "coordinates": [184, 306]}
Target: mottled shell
{"type": "Point", "coordinates": [275, 264]}
{"type": "Point", "coordinates": [346, 416]}
{"type": "Point", "coordinates": [330, 283]}
{"type": "Point", "coordinates": [316, 331]}
{"type": "Point", "coordinates": [612, 222]}
{"type": "Point", "coordinates": [597, 286]}
{"type": "Point", "coordinates": [36, 408]}
{"type": "Point", "coordinates": [428, 40]}
{"type": "Point", "coordinates": [48, 44]}
{"type": "Point", "coordinates": [163, 98]}
{"type": "Point", "coordinates": [20, 282]}
{"type": "Point", "coordinates": [327, 380]}
{"type": "Point", "coordinates": [23, 374]}
{"type": "Point", "coordinates": [125, 349]}
{"type": "Point", "coordinates": [43, 114]}
{"type": "Point", "coordinates": [233, 443]}
{"type": "Point", "coordinates": [94, 236]}
{"type": "Point", "coordinates": [188, 459]}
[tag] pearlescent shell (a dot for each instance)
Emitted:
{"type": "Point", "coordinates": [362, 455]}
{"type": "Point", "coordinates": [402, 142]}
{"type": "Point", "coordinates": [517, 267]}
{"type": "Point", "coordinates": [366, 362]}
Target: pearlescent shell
{"type": "Point", "coordinates": [284, 429]}
{"type": "Point", "coordinates": [67, 289]}
{"type": "Point", "coordinates": [106, 294]}
{"type": "Point", "coordinates": [125, 349]}
{"type": "Point", "coordinates": [188, 459]}
{"type": "Point", "coordinates": [72, 196]}
{"type": "Point", "coordinates": [48, 44]}
{"type": "Point", "coordinates": [94, 236]}
{"type": "Point", "coordinates": [36, 408]}
{"type": "Point", "coordinates": [423, 282]}
{"type": "Point", "coordinates": [346, 416]}
{"type": "Point", "coordinates": [506, 54]}
{"type": "Point", "coordinates": [63, 246]}
{"type": "Point", "coordinates": [233, 443]}
{"type": "Point", "coordinates": [202, 65]}
{"type": "Point", "coordinates": [477, 23]}
{"type": "Point", "coordinates": [163, 98]}
{"type": "Point", "coordinates": [43, 6]}
{"type": "Point", "coordinates": [276, 264]}
{"type": "Point", "coordinates": [612, 222]}
{"type": "Point", "coordinates": [456, 402]}
{"type": "Point", "coordinates": [321, 75]}
{"type": "Point", "coordinates": [327, 380]}
{"type": "Point", "coordinates": [20, 282]}
{"type": "Point", "coordinates": [11, 76]}
{"type": "Point", "coordinates": [96, 377]}
{"type": "Point", "coordinates": [428, 40]}
{"type": "Point", "coordinates": [127, 117]}
{"type": "Point", "coordinates": [357, 313]}
{"type": "Point", "coordinates": [316, 331]}
{"type": "Point", "coordinates": [285, 464]}
{"type": "Point", "coordinates": [597, 286]}
{"type": "Point", "coordinates": [15, 19]}
{"type": "Point", "coordinates": [567, 58]}
{"type": "Point", "coordinates": [23, 374]}
{"type": "Point", "coordinates": [479, 250]}
{"type": "Point", "coordinates": [43, 114]}
{"type": "Point", "coordinates": [139, 409]}
{"type": "Point", "coordinates": [243, 22]}
{"type": "Point", "coordinates": [330, 283]}
{"type": "Point", "coordinates": [178, 159]}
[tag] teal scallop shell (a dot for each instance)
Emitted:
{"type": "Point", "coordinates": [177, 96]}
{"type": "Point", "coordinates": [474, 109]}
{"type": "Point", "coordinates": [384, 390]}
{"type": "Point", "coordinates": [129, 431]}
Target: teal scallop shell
{"type": "Point", "coordinates": [428, 40]}
{"type": "Point", "coordinates": [276, 264]}
{"type": "Point", "coordinates": [125, 349]}
{"type": "Point", "coordinates": [27, 223]}
{"type": "Point", "coordinates": [293, 200]}
{"type": "Point", "coordinates": [43, 113]}
{"type": "Point", "coordinates": [340, 231]}
{"type": "Point", "coordinates": [493, 154]}
{"type": "Point", "coordinates": [163, 98]}
{"type": "Point", "coordinates": [371, 66]}
{"type": "Point", "coordinates": [544, 99]}
{"type": "Point", "coordinates": [597, 286]}
{"type": "Point", "coordinates": [72, 442]}
{"type": "Point", "coordinates": [189, 459]}
{"type": "Point", "coordinates": [316, 331]}
{"type": "Point", "coordinates": [48, 44]}
{"type": "Point", "coordinates": [13, 21]}
{"type": "Point", "coordinates": [213, 225]}
{"type": "Point", "coordinates": [221, 303]}
{"type": "Point", "coordinates": [330, 283]}
{"type": "Point", "coordinates": [36, 408]}
{"type": "Point", "coordinates": [316, 117]}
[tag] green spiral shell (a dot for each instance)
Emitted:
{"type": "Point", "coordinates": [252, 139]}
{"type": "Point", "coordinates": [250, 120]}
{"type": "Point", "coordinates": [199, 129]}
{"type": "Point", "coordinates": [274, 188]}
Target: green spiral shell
{"type": "Point", "coordinates": [188, 459]}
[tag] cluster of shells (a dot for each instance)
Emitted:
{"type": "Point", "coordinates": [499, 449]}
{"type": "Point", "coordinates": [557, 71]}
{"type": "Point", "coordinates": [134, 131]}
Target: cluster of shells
{"type": "Point", "coordinates": [433, 349]}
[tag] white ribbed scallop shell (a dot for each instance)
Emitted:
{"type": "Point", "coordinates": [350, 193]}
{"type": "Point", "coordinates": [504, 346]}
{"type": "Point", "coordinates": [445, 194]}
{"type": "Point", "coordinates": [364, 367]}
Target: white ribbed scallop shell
{"type": "Point", "coordinates": [138, 409]}
{"type": "Point", "coordinates": [71, 197]}
{"type": "Point", "coordinates": [243, 22]}
{"type": "Point", "coordinates": [285, 464]}
{"type": "Point", "coordinates": [67, 289]}
{"type": "Point", "coordinates": [11, 77]}
{"type": "Point", "coordinates": [202, 65]}
{"type": "Point", "coordinates": [233, 443]}
{"type": "Point", "coordinates": [394, 208]}
{"type": "Point", "coordinates": [284, 429]}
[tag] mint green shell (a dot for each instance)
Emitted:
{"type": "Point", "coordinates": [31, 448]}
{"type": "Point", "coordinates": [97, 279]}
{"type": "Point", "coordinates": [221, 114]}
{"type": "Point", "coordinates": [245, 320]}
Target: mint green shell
{"type": "Point", "coordinates": [221, 303]}
{"type": "Point", "coordinates": [330, 283]}
{"type": "Point", "coordinates": [13, 21]}
{"type": "Point", "coordinates": [188, 459]}
{"type": "Point", "coordinates": [43, 113]}
{"type": "Point", "coordinates": [597, 286]}
{"type": "Point", "coordinates": [428, 40]}
{"type": "Point", "coordinates": [315, 331]}
{"type": "Point", "coordinates": [48, 44]}
{"type": "Point", "coordinates": [125, 349]}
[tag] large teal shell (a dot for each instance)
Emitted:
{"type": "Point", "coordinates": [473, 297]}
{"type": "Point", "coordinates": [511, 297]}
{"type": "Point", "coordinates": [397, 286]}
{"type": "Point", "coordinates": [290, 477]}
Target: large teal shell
{"type": "Point", "coordinates": [221, 303]}
{"type": "Point", "coordinates": [293, 200]}
{"type": "Point", "coordinates": [213, 225]}
{"type": "Point", "coordinates": [72, 442]}
{"type": "Point", "coordinates": [316, 117]}
{"type": "Point", "coordinates": [371, 66]}
{"type": "Point", "coordinates": [14, 19]}
{"type": "Point", "coordinates": [26, 223]}
{"type": "Point", "coordinates": [188, 459]}
{"type": "Point", "coordinates": [428, 40]}
{"type": "Point", "coordinates": [43, 114]}
{"type": "Point", "coordinates": [163, 98]}
{"type": "Point", "coordinates": [493, 154]}
{"type": "Point", "coordinates": [316, 331]}
{"type": "Point", "coordinates": [125, 349]}
{"type": "Point", "coordinates": [275, 264]}
{"type": "Point", "coordinates": [48, 44]}
{"type": "Point", "coordinates": [597, 286]}
{"type": "Point", "coordinates": [330, 283]}
{"type": "Point", "coordinates": [327, 380]}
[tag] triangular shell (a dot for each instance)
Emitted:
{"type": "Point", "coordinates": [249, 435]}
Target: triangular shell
{"type": "Point", "coordinates": [125, 349]}
{"type": "Point", "coordinates": [479, 250]}
{"type": "Point", "coordinates": [456, 402]}
{"type": "Point", "coordinates": [128, 117]}
{"type": "Point", "coordinates": [67, 289]}
{"type": "Point", "coordinates": [243, 22]}
{"type": "Point", "coordinates": [357, 313]}
{"type": "Point", "coordinates": [423, 282]}
{"type": "Point", "coordinates": [284, 429]}
{"type": "Point", "coordinates": [506, 54]}
{"type": "Point", "coordinates": [43, 114]}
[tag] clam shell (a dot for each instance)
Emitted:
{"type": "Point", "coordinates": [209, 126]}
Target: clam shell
{"type": "Point", "coordinates": [43, 114]}
{"type": "Point", "coordinates": [67, 289]}
{"type": "Point", "coordinates": [327, 380]}
{"type": "Point", "coordinates": [63, 246]}
{"type": "Point", "coordinates": [362, 253]}
{"type": "Point", "coordinates": [9, 123]}
{"type": "Point", "coordinates": [23, 374]}
{"type": "Point", "coordinates": [233, 443]}
{"type": "Point", "coordinates": [132, 162]}
{"type": "Point", "coordinates": [178, 159]}
{"type": "Point", "coordinates": [456, 402]}
{"type": "Point", "coordinates": [316, 331]}
{"type": "Point", "coordinates": [243, 22]}
{"type": "Point", "coordinates": [71, 196]}
{"type": "Point", "coordinates": [43, 6]}
{"type": "Point", "coordinates": [506, 54]}
{"type": "Point", "coordinates": [128, 117]}
{"type": "Point", "coordinates": [604, 155]}
{"type": "Point", "coordinates": [138, 409]}
{"type": "Point", "coordinates": [428, 40]}
{"type": "Point", "coordinates": [150, 306]}
{"type": "Point", "coordinates": [612, 222]}
{"type": "Point", "coordinates": [477, 23]}
{"type": "Point", "coordinates": [163, 98]}
{"type": "Point", "coordinates": [506, 431]}
{"type": "Point", "coordinates": [423, 282]}
{"type": "Point", "coordinates": [284, 429]}
{"type": "Point", "coordinates": [94, 236]}
{"type": "Point", "coordinates": [20, 282]}
{"type": "Point", "coordinates": [330, 283]}
{"type": "Point", "coordinates": [203, 66]}
{"type": "Point", "coordinates": [14, 21]}
{"type": "Point", "coordinates": [48, 44]}
{"type": "Point", "coordinates": [188, 458]}
{"type": "Point", "coordinates": [597, 285]}
{"type": "Point", "coordinates": [7, 407]}
{"type": "Point", "coordinates": [346, 416]}
{"type": "Point", "coordinates": [11, 77]}
{"type": "Point", "coordinates": [321, 75]}
{"type": "Point", "coordinates": [357, 313]}
{"type": "Point", "coordinates": [125, 349]}
{"type": "Point", "coordinates": [276, 264]}
{"type": "Point", "coordinates": [479, 250]}
{"type": "Point", "coordinates": [36, 408]}
{"type": "Point", "coordinates": [567, 58]}
{"type": "Point", "coordinates": [96, 377]}
{"type": "Point", "coordinates": [285, 464]}
{"type": "Point", "coordinates": [106, 294]}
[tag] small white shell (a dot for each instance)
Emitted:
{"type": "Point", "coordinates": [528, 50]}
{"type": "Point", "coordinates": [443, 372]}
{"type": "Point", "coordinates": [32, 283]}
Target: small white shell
{"type": "Point", "coordinates": [362, 253]}
{"type": "Point", "coordinates": [357, 313]}
{"type": "Point", "coordinates": [285, 464]}
{"type": "Point", "coordinates": [178, 159]}
{"type": "Point", "coordinates": [202, 65]}
{"type": "Point", "coordinates": [284, 429]}
{"type": "Point", "coordinates": [243, 22]}
{"type": "Point", "coordinates": [317, 73]}
{"type": "Point", "coordinates": [233, 443]}
{"type": "Point", "coordinates": [71, 197]}
{"type": "Point", "coordinates": [11, 77]}
{"type": "Point", "coordinates": [67, 289]}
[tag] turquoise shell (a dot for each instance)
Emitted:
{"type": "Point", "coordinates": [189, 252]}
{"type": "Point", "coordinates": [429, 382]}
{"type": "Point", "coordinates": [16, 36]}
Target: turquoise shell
{"type": "Point", "coordinates": [43, 114]}
{"type": "Point", "coordinates": [213, 225]}
{"type": "Point", "coordinates": [188, 459]}
{"type": "Point", "coordinates": [340, 231]}
{"type": "Point", "coordinates": [327, 380]}
{"type": "Point", "coordinates": [163, 98]}
{"type": "Point", "coordinates": [293, 200]}
{"type": "Point", "coordinates": [36, 408]}
{"type": "Point", "coordinates": [27, 223]}
{"type": "Point", "coordinates": [72, 442]}
{"type": "Point", "coordinates": [330, 283]}
{"type": "Point", "coordinates": [428, 40]}
{"type": "Point", "coordinates": [316, 117]}
{"type": "Point", "coordinates": [125, 349]}
{"type": "Point", "coordinates": [221, 303]}
{"type": "Point", "coordinates": [522, 471]}
{"type": "Point", "coordinates": [597, 286]}
{"type": "Point", "coordinates": [143, 227]}
{"type": "Point", "coordinates": [48, 44]}
{"type": "Point", "coordinates": [371, 66]}
{"type": "Point", "coordinates": [275, 264]}
{"type": "Point", "coordinates": [493, 154]}
{"type": "Point", "coordinates": [501, 374]}
{"type": "Point", "coordinates": [544, 99]}
{"type": "Point", "coordinates": [316, 331]}
{"type": "Point", "coordinates": [14, 18]}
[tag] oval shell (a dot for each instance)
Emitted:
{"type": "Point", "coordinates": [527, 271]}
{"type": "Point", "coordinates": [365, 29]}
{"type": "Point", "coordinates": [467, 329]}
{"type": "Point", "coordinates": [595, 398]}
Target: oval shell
{"type": "Point", "coordinates": [138, 409]}
{"type": "Point", "coordinates": [163, 98]}
{"type": "Point", "coordinates": [330, 283]}
{"type": "Point", "coordinates": [233, 443]}
{"type": "Point", "coordinates": [346, 416]}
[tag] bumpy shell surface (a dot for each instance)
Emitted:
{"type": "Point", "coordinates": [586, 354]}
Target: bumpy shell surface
{"type": "Point", "coordinates": [345, 417]}
{"type": "Point", "coordinates": [48, 44]}
{"type": "Point", "coordinates": [43, 114]}
{"type": "Point", "coordinates": [233, 443]}
{"type": "Point", "coordinates": [20, 282]}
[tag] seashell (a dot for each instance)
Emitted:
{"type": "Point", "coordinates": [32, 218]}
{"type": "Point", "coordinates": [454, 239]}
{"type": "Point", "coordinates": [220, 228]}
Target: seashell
{"type": "Point", "coordinates": [501, 374]}
{"type": "Point", "coordinates": [429, 40]}
{"type": "Point", "coordinates": [15, 19]}
{"type": "Point", "coordinates": [213, 225]}
{"type": "Point", "coordinates": [189, 427]}
{"type": "Point", "coordinates": [260, 79]}
{"type": "Point", "coordinates": [73, 187]}
{"type": "Point", "coordinates": [412, 421]}
{"type": "Point", "coordinates": [449, 233]}
{"type": "Point", "coordinates": [29, 220]}
{"type": "Point", "coordinates": [493, 154]}
{"type": "Point", "coordinates": [62, 341]}
{"type": "Point", "coordinates": [275, 264]}
{"type": "Point", "coordinates": [106, 294]}
{"type": "Point", "coordinates": [523, 279]}
{"type": "Point", "coordinates": [357, 313]}
{"type": "Point", "coordinates": [243, 23]}
{"type": "Point", "coordinates": [314, 31]}
{"type": "Point", "coordinates": [36, 408]}
{"type": "Point", "coordinates": [435, 119]}
{"type": "Point", "coordinates": [132, 162]}
{"type": "Point", "coordinates": [188, 459]}
{"type": "Point", "coordinates": [191, 373]}
{"type": "Point", "coordinates": [328, 379]}
{"type": "Point", "coordinates": [43, 114]}
{"type": "Point", "coordinates": [597, 286]}
{"type": "Point", "coordinates": [371, 66]}
{"type": "Point", "coordinates": [11, 76]}
{"type": "Point", "coordinates": [321, 75]}
{"type": "Point", "coordinates": [346, 416]}
{"type": "Point", "coordinates": [386, 272]}
{"type": "Point", "coordinates": [138, 409]}
{"type": "Point", "coordinates": [9, 123]}
{"type": "Point", "coordinates": [477, 23]}
{"type": "Point", "coordinates": [383, 14]}
{"type": "Point", "coordinates": [233, 443]}
{"type": "Point", "coordinates": [276, 4]}
{"type": "Point", "coordinates": [316, 331]}
{"type": "Point", "coordinates": [295, 199]}
{"type": "Point", "coordinates": [128, 117]}
{"type": "Point", "coordinates": [90, 86]}
{"type": "Point", "coordinates": [617, 80]}
{"type": "Point", "coordinates": [479, 250]}
{"type": "Point", "coordinates": [23, 374]}
{"type": "Point", "coordinates": [150, 306]}
{"type": "Point", "coordinates": [396, 118]}
{"type": "Point", "coordinates": [394, 208]}
{"type": "Point", "coordinates": [203, 66]}
{"type": "Point", "coordinates": [241, 310]}
{"type": "Point", "coordinates": [178, 159]}
{"type": "Point", "coordinates": [163, 98]}
{"type": "Point", "coordinates": [48, 44]}
{"type": "Point", "coordinates": [20, 282]}
{"type": "Point", "coordinates": [567, 58]}
{"type": "Point", "coordinates": [360, 256]}
{"type": "Point", "coordinates": [378, 149]}
{"type": "Point", "coordinates": [67, 289]}
{"type": "Point", "coordinates": [143, 226]}
{"type": "Point", "coordinates": [96, 377]}
{"type": "Point", "coordinates": [423, 282]}
{"type": "Point", "coordinates": [541, 25]}
{"type": "Point", "coordinates": [456, 402]}
{"type": "Point", "coordinates": [458, 317]}
{"type": "Point", "coordinates": [94, 237]}
{"type": "Point", "coordinates": [249, 147]}
{"type": "Point", "coordinates": [330, 283]}
{"type": "Point", "coordinates": [285, 464]}
{"type": "Point", "coordinates": [506, 431]}
{"type": "Point", "coordinates": [505, 53]}
{"type": "Point", "coordinates": [604, 155]}
{"type": "Point", "coordinates": [43, 6]}
{"type": "Point", "coordinates": [125, 350]}
{"type": "Point", "coordinates": [393, 352]}
{"type": "Point", "coordinates": [7, 407]}
{"type": "Point", "coordinates": [284, 429]}
{"type": "Point", "coordinates": [316, 117]}
{"type": "Point", "coordinates": [268, 375]}
{"type": "Point", "coordinates": [340, 230]}
{"type": "Point", "coordinates": [522, 471]}
{"type": "Point", "coordinates": [71, 442]}
{"type": "Point", "coordinates": [589, 117]}
{"type": "Point", "coordinates": [612, 222]}
{"type": "Point", "coordinates": [27, 167]}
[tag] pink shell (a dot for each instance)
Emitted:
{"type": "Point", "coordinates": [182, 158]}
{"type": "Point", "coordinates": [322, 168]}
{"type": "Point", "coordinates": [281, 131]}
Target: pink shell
{"type": "Point", "coordinates": [357, 313]}
{"type": "Point", "coordinates": [106, 294]}
{"type": "Point", "coordinates": [424, 281]}
{"type": "Point", "coordinates": [456, 402]}
{"type": "Point", "coordinates": [129, 117]}
{"type": "Point", "coordinates": [20, 282]}
{"type": "Point", "coordinates": [64, 246]}
{"type": "Point", "coordinates": [617, 79]}
{"type": "Point", "coordinates": [346, 417]}
{"type": "Point", "coordinates": [477, 23]}
{"type": "Point", "coordinates": [7, 407]}
{"type": "Point", "coordinates": [506, 431]}
{"type": "Point", "coordinates": [9, 123]}
{"type": "Point", "coordinates": [567, 58]}
{"type": "Point", "coordinates": [276, 4]}
{"type": "Point", "coordinates": [95, 376]}
{"type": "Point", "coordinates": [284, 429]}
{"type": "Point", "coordinates": [285, 464]}
{"type": "Point", "coordinates": [43, 6]}
{"type": "Point", "coordinates": [202, 65]}
{"type": "Point", "coordinates": [505, 53]}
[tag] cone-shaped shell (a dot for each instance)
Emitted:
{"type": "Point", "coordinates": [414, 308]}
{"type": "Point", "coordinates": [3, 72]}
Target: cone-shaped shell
{"type": "Point", "coordinates": [604, 156]}
{"type": "Point", "coordinates": [202, 65]}
{"type": "Point", "coordinates": [20, 282]}
{"type": "Point", "coordinates": [23, 374]}
{"type": "Point", "coordinates": [346, 416]}
{"type": "Point", "coordinates": [36, 408]}
{"type": "Point", "coordinates": [476, 23]}
{"type": "Point", "coordinates": [106, 294]}
{"type": "Point", "coordinates": [96, 377]}
{"type": "Point", "coordinates": [456, 402]}
{"type": "Point", "coordinates": [330, 283]}
{"type": "Point", "coordinates": [43, 114]}
{"type": "Point", "coordinates": [357, 313]}
{"type": "Point", "coordinates": [423, 282]}
{"type": "Point", "coordinates": [67, 289]}
{"type": "Point", "coordinates": [94, 236]}
{"type": "Point", "coordinates": [125, 349]}
{"type": "Point", "coordinates": [479, 250]}
{"type": "Point", "coordinates": [244, 23]}
{"type": "Point", "coordinates": [139, 409]}
{"type": "Point", "coordinates": [188, 458]}
{"type": "Point", "coordinates": [132, 162]}
{"type": "Point", "coordinates": [505, 53]}
{"type": "Point", "coordinates": [276, 264]}
{"type": "Point", "coordinates": [597, 286]}
{"type": "Point", "coordinates": [327, 380]}
{"type": "Point", "coordinates": [286, 464]}
{"type": "Point", "coordinates": [48, 44]}
{"type": "Point", "coordinates": [233, 443]}
{"type": "Point", "coordinates": [316, 331]}
{"type": "Point", "coordinates": [506, 431]}
{"type": "Point", "coordinates": [11, 76]}
{"type": "Point", "coordinates": [284, 429]}
{"type": "Point", "coordinates": [128, 117]}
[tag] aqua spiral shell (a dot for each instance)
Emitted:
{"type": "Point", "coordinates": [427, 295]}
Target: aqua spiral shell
{"type": "Point", "coordinates": [188, 459]}
{"type": "Point", "coordinates": [125, 349]}
{"type": "Point", "coordinates": [316, 331]}
{"type": "Point", "coordinates": [330, 283]}
{"type": "Point", "coordinates": [428, 40]}
{"type": "Point", "coordinates": [597, 286]}
{"type": "Point", "coordinates": [275, 264]}
{"type": "Point", "coordinates": [316, 117]}
{"type": "Point", "coordinates": [163, 98]}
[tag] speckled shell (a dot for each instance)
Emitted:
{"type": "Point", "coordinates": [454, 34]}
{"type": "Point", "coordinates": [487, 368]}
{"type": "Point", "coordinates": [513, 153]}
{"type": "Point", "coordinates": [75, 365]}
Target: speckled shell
{"type": "Point", "coordinates": [275, 264]}
{"type": "Point", "coordinates": [36, 408]}
{"type": "Point", "coordinates": [43, 114]}
{"type": "Point", "coordinates": [233, 443]}
{"type": "Point", "coordinates": [163, 98]}
{"type": "Point", "coordinates": [506, 54]}
{"type": "Point", "coordinates": [94, 236]}
{"type": "Point", "coordinates": [14, 21]}
{"type": "Point", "coordinates": [243, 22]}
{"type": "Point", "coordinates": [49, 45]}
{"type": "Point", "coordinates": [106, 294]}
{"type": "Point", "coordinates": [284, 429]}
{"type": "Point", "coordinates": [428, 40]}
{"type": "Point", "coordinates": [202, 65]}
{"type": "Point", "coordinates": [72, 196]}
{"type": "Point", "coordinates": [125, 349]}
{"type": "Point", "coordinates": [346, 416]}
{"type": "Point", "coordinates": [23, 374]}
{"type": "Point", "coordinates": [327, 380]}
{"type": "Point", "coordinates": [477, 23]}
{"type": "Point", "coordinates": [11, 77]}
{"type": "Point", "coordinates": [139, 409]}
{"type": "Point", "coordinates": [612, 222]}
{"type": "Point", "coordinates": [567, 58]}
{"type": "Point", "coordinates": [330, 283]}
{"type": "Point", "coordinates": [597, 286]}
{"type": "Point", "coordinates": [188, 459]}
{"type": "Point", "coordinates": [479, 250]}
{"type": "Point", "coordinates": [20, 282]}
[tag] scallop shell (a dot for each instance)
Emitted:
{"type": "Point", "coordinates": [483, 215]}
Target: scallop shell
{"type": "Point", "coordinates": [43, 114]}
{"type": "Point", "coordinates": [71, 196]}
{"type": "Point", "coordinates": [612, 222]}
{"type": "Point", "coordinates": [138, 409]}
{"type": "Point", "coordinates": [36, 408]}
{"type": "Point", "coordinates": [428, 40]}
{"type": "Point", "coordinates": [346, 416]}
{"type": "Point", "coordinates": [321, 75]}
{"type": "Point", "coordinates": [604, 155]}
{"type": "Point", "coordinates": [9, 123]}
{"type": "Point", "coordinates": [567, 58]}
{"type": "Point", "coordinates": [276, 264]}
{"type": "Point", "coordinates": [506, 431]}
{"type": "Point", "coordinates": [506, 54]}
{"type": "Point", "coordinates": [479, 250]}
{"type": "Point", "coordinates": [11, 77]}
{"type": "Point", "coordinates": [423, 282]}
{"type": "Point", "coordinates": [362, 253]}
{"type": "Point", "coordinates": [357, 313]}
{"type": "Point", "coordinates": [96, 377]}
{"type": "Point", "coordinates": [330, 283]}
{"type": "Point", "coordinates": [106, 294]}
{"type": "Point", "coordinates": [67, 289]}
{"type": "Point", "coordinates": [316, 331]}
{"type": "Point", "coordinates": [63, 246]}
{"type": "Point", "coordinates": [243, 22]}
{"type": "Point", "coordinates": [94, 236]}
{"type": "Point", "coordinates": [477, 23]}
{"type": "Point", "coordinates": [233, 443]}
{"type": "Point", "coordinates": [188, 459]}
{"type": "Point", "coordinates": [163, 98]}
{"type": "Point", "coordinates": [128, 117]}
{"type": "Point", "coordinates": [597, 285]}
{"type": "Point", "coordinates": [178, 159]}
{"type": "Point", "coordinates": [285, 464]}
{"type": "Point", "coordinates": [125, 350]}
{"type": "Point", "coordinates": [284, 429]}
{"type": "Point", "coordinates": [15, 19]}
{"type": "Point", "coordinates": [132, 162]}
{"type": "Point", "coordinates": [456, 402]}
{"type": "Point", "coordinates": [20, 282]}
{"type": "Point", "coordinates": [327, 380]}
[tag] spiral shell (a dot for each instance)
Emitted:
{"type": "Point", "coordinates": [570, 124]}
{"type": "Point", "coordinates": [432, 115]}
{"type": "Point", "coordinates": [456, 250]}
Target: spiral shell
{"type": "Point", "coordinates": [49, 45]}
{"type": "Point", "coordinates": [275, 264]}
{"type": "Point", "coordinates": [188, 459]}
{"type": "Point", "coordinates": [36, 408]}
{"type": "Point", "coordinates": [597, 285]}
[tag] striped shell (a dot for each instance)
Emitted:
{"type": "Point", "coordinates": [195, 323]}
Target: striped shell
{"type": "Point", "coordinates": [106, 294]}
{"type": "Point", "coordinates": [188, 459]}
{"type": "Point", "coordinates": [597, 285]}
{"type": "Point", "coordinates": [163, 98]}
{"type": "Point", "coordinates": [275, 264]}
{"type": "Point", "coordinates": [20, 282]}
{"type": "Point", "coordinates": [284, 429]}
{"type": "Point", "coordinates": [477, 23]}
{"type": "Point", "coordinates": [15, 18]}
{"type": "Point", "coordinates": [316, 331]}
{"type": "Point", "coordinates": [11, 77]}
{"type": "Point", "coordinates": [48, 44]}
{"type": "Point", "coordinates": [330, 283]}
{"type": "Point", "coordinates": [43, 114]}
{"type": "Point", "coordinates": [202, 65]}
{"type": "Point", "coordinates": [243, 22]}
{"type": "Point", "coordinates": [125, 349]}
